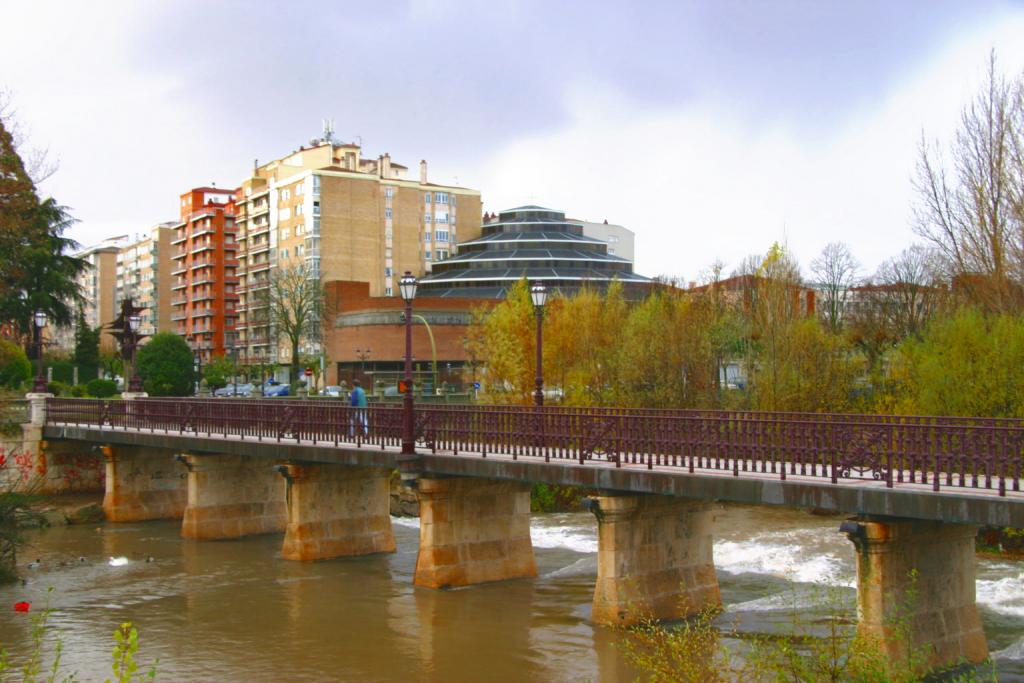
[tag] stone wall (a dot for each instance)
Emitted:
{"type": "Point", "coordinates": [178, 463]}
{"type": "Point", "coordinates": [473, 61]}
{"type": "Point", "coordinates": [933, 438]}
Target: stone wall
{"type": "Point", "coordinates": [28, 463]}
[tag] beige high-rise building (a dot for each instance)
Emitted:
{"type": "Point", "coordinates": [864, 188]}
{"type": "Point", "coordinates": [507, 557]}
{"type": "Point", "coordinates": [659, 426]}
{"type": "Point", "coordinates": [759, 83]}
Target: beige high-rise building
{"type": "Point", "coordinates": [97, 284]}
{"type": "Point", "coordinates": [345, 218]}
{"type": "Point", "coordinates": [144, 274]}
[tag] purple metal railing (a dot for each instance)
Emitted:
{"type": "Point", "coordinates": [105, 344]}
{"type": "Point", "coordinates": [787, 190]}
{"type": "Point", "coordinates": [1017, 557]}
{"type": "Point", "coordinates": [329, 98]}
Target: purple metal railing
{"type": "Point", "coordinates": [982, 453]}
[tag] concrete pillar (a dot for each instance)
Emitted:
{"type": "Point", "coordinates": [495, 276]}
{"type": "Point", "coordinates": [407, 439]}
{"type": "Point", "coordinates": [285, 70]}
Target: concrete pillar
{"type": "Point", "coordinates": [337, 511]}
{"type": "Point", "coordinates": [141, 484]}
{"type": "Point", "coordinates": [231, 496]}
{"type": "Point", "coordinates": [37, 408]}
{"type": "Point", "coordinates": [654, 559]}
{"type": "Point", "coordinates": [473, 531]}
{"type": "Point", "coordinates": [915, 590]}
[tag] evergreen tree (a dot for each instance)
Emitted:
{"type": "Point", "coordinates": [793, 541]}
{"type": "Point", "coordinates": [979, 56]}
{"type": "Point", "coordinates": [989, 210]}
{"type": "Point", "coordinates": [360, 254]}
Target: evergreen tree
{"type": "Point", "coordinates": [87, 349]}
{"type": "Point", "coordinates": [36, 271]}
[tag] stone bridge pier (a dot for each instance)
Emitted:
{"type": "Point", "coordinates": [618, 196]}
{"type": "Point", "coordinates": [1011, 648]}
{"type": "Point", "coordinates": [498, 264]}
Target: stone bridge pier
{"type": "Point", "coordinates": [654, 558]}
{"type": "Point", "coordinates": [142, 484]}
{"type": "Point", "coordinates": [231, 496]}
{"type": "Point", "coordinates": [915, 590]}
{"type": "Point", "coordinates": [336, 511]}
{"type": "Point", "coordinates": [473, 531]}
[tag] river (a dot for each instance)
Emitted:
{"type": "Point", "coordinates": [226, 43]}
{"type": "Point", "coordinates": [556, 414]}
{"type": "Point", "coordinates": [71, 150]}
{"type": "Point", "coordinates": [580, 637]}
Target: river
{"type": "Point", "coordinates": [235, 611]}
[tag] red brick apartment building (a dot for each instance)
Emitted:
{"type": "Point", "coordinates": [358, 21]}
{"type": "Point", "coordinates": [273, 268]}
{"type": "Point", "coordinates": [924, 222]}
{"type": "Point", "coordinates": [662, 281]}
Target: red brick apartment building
{"type": "Point", "coordinates": [205, 262]}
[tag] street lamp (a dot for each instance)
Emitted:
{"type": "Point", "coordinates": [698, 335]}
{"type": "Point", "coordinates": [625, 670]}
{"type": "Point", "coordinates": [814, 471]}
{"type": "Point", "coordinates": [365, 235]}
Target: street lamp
{"type": "Point", "coordinates": [407, 287]}
{"type": "Point", "coordinates": [39, 385]}
{"type": "Point", "coordinates": [539, 294]}
{"type": "Point", "coordinates": [197, 366]}
{"type": "Point", "coordinates": [135, 384]}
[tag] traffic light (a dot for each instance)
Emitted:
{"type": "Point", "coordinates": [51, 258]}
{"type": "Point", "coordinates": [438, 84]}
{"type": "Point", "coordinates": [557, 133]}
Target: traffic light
{"type": "Point", "coordinates": [403, 386]}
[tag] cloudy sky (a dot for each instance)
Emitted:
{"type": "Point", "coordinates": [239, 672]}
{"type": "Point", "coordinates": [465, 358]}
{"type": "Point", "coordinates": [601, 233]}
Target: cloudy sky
{"type": "Point", "coordinates": [711, 128]}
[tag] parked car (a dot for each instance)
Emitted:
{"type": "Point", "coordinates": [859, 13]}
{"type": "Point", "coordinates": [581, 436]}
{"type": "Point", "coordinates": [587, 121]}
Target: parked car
{"type": "Point", "coordinates": [229, 391]}
{"type": "Point", "coordinates": [275, 389]}
{"type": "Point", "coordinates": [335, 391]}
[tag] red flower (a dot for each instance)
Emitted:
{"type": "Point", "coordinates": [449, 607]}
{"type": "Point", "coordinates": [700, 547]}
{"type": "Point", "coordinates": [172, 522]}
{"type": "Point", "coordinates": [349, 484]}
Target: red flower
{"type": "Point", "coordinates": [21, 606]}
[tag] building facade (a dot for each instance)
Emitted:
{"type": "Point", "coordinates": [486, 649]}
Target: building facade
{"type": "Point", "coordinates": [204, 272]}
{"type": "Point", "coordinates": [97, 284]}
{"type": "Point", "coordinates": [144, 275]}
{"type": "Point", "coordinates": [339, 216]}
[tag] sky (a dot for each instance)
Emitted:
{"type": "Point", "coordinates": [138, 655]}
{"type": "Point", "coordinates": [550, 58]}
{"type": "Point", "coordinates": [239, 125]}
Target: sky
{"type": "Point", "coordinates": [711, 129]}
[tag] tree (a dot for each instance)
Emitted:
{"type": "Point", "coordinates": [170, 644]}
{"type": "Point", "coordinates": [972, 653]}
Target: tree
{"type": "Point", "coordinates": [219, 371]}
{"type": "Point", "coordinates": [503, 338]}
{"type": "Point", "coordinates": [835, 271]}
{"type": "Point", "coordinates": [970, 364]}
{"type": "Point", "coordinates": [971, 205]}
{"type": "Point", "coordinates": [36, 271]}
{"type": "Point", "coordinates": [294, 304]}
{"type": "Point", "coordinates": [87, 349]}
{"type": "Point", "coordinates": [14, 366]}
{"type": "Point", "coordinates": [165, 365]}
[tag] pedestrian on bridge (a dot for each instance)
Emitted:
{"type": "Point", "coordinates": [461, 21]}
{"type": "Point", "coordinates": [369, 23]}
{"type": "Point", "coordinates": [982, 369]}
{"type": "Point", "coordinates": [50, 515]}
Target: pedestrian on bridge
{"type": "Point", "coordinates": [357, 400]}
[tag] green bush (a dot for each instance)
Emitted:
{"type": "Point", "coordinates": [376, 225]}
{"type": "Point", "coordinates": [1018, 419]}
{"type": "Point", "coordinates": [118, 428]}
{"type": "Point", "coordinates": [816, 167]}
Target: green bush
{"type": "Point", "coordinates": [61, 369]}
{"type": "Point", "coordinates": [14, 366]}
{"type": "Point", "coordinates": [101, 388]}
{"type": "Point", "coordinates": [58, 388]}
{"type": "Point", "coordinates": [81, 391]}
{"type": "Point", "coordinates": [165, 366]}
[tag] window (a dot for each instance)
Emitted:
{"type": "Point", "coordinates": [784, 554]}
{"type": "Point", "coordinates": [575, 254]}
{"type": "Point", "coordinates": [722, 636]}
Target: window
{"type": "Point", "coordinates": [298, 189]}
{"type": "Point", "coordinates": [441, 236]}
{"type": "Point", "coordinates": [441, 218]}
{"type": "Point", "coordinates": [426, 217]}
{"type": "Point", "coordinates": [452, 202]}
{"type": "Point", "coordinates": [298, 209]}
{"type": "Point", "coordinates": [426, 239]}
{"type": "Point", "coordinates": [387, 291]}
{"type": "Point", "coordinates": [387, 212]}
{"type": "Point", "coordinates": [441, 197]}
{"type": "Point", "coordinates": [316, 184]}
{"type": "Point", "coordinates": [387, 234]}
{"type": "Point", "coordinates": [298, 250]}
{"type": "Point", "coordinates": [389, 192]}
{"type": "Point", "coordinates": [284, 253]}
{"type": "Point", "coordinates": [426, 197]}
{"type": "Point", "coordinates": [316, 226]}
{"type": "Point", "coordinates": [442, 254]}
{"type": "Point", "coordinates": [300, 228]}
{"type": "Point", "coordinates": [286, 195]}
{"type": "Point", "coordinates": [387, 253]}
{"type": "Point", "coordinates": [286, 233]}
{"type": "Point", "coordinates": [316, 208]}
{"type": "Point", "coordinates": [387, 272]}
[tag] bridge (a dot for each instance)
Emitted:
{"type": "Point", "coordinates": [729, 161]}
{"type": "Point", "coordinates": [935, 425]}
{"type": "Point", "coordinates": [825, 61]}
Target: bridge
{"type": "Point", "coordinates": [916, 487]}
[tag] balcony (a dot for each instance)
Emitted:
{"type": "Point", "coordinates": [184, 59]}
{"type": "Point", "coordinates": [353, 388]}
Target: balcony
{"type": "Point", "coordinates": [209, 246]}
{"type": "Point", "coordinates": [179, 285]}
{"type": "Point", "coordinates": [178, 315]}
{"type": "Point", "coordinates": [259, 210]}
{"type": "Point", "coordinates": [205, 263]}
{"type": "Point", "coordinates": [256, 267]}
{"type": "Point", "coordinates": [179, 302]}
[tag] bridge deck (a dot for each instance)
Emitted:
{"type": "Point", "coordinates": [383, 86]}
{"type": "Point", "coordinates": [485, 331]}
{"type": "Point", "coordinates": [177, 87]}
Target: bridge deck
{"type": "Point", "coordinates": [740, 481]}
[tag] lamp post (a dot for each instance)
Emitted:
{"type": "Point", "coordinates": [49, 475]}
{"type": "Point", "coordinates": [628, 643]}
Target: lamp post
{"type": "Point", "coordinates": [197, 366]}
{"type": "Point", "coordinates": [539, 294]}
{"type": "Point", "coordinates": [407, 287]}
{"type": "Point", "coordinates": [39, 384]}
{"type": "Point", "coordinates": [135, 384]}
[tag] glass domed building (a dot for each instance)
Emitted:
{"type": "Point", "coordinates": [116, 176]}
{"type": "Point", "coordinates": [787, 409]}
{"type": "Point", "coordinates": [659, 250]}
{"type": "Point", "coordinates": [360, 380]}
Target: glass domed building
{"type": "Point", "coordinates": [535, 243]}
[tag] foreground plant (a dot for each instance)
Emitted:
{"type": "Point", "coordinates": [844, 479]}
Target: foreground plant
{"type": "Point", "coordinates": [125, 666]}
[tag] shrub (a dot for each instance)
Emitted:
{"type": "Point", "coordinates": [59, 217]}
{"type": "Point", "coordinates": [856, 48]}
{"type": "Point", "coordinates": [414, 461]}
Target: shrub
{"type": "Point", "coordinates": [14, 366]}
{"type": "Point", "coordinates": [61, 369]}
{"type": "Point", "coordinates": [58, 388]}
{"type": "Point", "coordinates": [101, 388]}
{"type": "Point", "coordinates": [81, 391]}
{"type": "Point", "coordinates": [165, 366]}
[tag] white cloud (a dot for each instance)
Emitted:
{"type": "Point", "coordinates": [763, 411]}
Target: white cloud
{"type": "Point", "coordinates": [714, 180]}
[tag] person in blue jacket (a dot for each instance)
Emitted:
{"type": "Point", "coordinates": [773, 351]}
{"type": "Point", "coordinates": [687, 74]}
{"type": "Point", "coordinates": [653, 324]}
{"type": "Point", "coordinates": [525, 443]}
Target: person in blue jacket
{"type": "Point", "coordinates": [357, 399]}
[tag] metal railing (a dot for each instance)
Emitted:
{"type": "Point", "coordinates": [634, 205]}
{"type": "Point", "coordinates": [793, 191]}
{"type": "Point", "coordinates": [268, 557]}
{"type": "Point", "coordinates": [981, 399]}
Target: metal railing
{"type": "Point", "coordinates": [972, 453]}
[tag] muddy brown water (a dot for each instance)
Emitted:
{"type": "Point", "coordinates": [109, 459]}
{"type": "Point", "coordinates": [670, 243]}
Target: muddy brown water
{"type": "Point", "coordinates": [235, 611]}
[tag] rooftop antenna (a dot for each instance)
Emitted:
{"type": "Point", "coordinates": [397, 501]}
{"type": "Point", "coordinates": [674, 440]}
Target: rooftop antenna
{"type": "Point", "coordinates": [360, 139]}
{"type": "Point", "coordinates": [328, 126]}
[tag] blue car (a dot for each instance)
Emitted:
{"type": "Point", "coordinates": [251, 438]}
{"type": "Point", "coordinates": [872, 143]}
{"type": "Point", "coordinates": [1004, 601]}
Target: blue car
{"type": "Point", "coordinates": [273, 388]}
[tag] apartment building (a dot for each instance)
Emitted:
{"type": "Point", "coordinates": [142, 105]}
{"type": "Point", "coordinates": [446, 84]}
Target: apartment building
{"type": "Point", "coordinates": [342, 217]}
{"type": "Point", "coordinates": [204, 270]}
{"type": "Point", "coordinates": [97, 284]}
{"type": "Point", "coordinates": [144, 275]}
